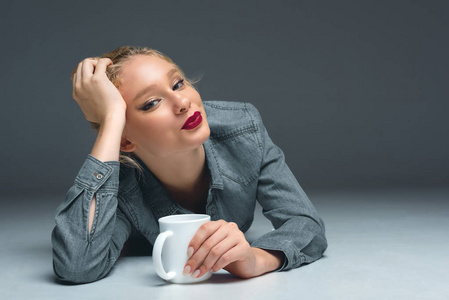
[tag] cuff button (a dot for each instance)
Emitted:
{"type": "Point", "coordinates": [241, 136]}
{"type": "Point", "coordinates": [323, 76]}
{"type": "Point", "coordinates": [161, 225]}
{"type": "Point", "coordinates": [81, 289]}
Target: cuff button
{"type": "Point", "coordinates": [98, 175]}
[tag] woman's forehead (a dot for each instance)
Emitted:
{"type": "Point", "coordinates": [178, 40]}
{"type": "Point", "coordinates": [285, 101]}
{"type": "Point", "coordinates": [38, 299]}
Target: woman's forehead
{"type": "Point", "coordinates": [144, 72]}
{"type": "Point", "coordinates": [147, 64]}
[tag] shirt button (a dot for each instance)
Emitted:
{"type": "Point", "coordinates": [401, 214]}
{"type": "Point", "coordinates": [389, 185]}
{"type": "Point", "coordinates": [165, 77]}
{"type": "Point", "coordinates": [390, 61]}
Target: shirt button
{"type": "Point", "coordinates": [213, 210]}
{"type": "Point", "coordinates": [99, 176]}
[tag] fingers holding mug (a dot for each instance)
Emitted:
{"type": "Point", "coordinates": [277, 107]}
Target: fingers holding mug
{"type": "Point", "coordinates": [215, 245]}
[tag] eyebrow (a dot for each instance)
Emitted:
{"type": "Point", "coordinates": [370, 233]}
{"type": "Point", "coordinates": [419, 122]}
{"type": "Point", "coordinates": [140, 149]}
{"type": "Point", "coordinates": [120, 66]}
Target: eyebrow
{"type": "Point", "coordinates": [152, 86]}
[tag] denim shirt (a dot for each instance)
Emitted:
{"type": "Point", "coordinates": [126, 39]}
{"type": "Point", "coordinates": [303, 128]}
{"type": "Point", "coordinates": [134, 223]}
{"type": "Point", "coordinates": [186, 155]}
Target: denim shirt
{"type": "Point", "coordinates": [245, 167]}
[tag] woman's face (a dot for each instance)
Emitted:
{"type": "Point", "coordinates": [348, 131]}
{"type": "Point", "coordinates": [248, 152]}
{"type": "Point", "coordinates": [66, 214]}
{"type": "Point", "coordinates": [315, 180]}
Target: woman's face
{"type": "Point", "coordinates": [159, 102]}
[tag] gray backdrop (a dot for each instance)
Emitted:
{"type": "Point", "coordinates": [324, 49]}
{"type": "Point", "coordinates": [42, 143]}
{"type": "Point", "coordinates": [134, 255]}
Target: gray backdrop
{"type": "Point", "coordinates": [354, 92]}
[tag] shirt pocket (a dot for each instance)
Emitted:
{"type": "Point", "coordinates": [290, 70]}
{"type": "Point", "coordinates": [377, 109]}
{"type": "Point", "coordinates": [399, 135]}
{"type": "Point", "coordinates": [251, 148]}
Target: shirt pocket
{"type": "Point", "coordinates": [240, 155]}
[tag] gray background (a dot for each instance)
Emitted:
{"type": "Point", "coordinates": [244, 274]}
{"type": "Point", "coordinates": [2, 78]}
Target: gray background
{"type": "Point", "coordinates": [354, 92]}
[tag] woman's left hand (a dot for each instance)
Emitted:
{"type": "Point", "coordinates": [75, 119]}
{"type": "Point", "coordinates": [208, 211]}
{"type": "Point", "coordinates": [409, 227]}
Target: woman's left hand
{"type": "Point", "coordinates": [221, 245]}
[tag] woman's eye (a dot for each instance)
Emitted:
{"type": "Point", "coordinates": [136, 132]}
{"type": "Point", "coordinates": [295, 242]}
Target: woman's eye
{"type": "Point", "coordinates": [150, 104]}
{"type": "Point", "coordinates": [178, 85]}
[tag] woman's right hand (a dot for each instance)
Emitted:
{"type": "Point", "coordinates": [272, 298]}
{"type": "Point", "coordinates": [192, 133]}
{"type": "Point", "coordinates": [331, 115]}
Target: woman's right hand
{"type": "Point", "coordinates": [96, 95]}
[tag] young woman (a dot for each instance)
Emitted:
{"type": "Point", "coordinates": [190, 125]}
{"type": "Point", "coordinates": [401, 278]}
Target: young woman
{"type": "Point", "coordinates": [161, 150]}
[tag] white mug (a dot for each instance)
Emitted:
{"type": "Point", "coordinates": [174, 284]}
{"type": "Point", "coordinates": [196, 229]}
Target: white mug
{"type": "Point", "coordinates": [170, 248]}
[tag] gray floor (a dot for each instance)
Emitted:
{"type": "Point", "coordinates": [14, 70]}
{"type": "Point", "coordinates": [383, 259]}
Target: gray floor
{"type": "Point", "coordinates": [389, 244]}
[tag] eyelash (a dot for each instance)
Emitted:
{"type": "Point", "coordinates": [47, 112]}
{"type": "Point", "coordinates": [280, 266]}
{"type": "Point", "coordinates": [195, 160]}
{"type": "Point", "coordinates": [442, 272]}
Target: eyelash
{"type": "Point", "coordinates": [181, 81]}
{"type": "Point", "coordinates": [148, 105]}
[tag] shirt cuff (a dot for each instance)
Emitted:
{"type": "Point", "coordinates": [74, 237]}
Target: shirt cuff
{"type": "Point", "coordinates": [95, 174]}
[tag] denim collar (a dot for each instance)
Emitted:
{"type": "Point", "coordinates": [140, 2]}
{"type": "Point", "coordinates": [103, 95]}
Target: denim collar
{"type": "Point", "coordinates": [213, 165]}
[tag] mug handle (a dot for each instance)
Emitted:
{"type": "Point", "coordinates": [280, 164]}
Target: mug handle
{"type": "Point", "coordinates": [157, 256]}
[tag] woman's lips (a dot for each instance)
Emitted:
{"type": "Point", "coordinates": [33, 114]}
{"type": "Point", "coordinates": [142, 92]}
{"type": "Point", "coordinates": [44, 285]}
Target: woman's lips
{"type": "Point", "coordinates": [193, 121]}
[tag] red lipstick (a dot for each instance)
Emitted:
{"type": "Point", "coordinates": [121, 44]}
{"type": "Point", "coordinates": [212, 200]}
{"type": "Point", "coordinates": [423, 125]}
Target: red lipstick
{"type": "Point", "coordinates": [193, 121]}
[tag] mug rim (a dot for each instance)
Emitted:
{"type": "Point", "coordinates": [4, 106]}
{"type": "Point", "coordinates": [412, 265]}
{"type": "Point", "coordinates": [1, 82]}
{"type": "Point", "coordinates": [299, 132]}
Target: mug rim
{"type": "Point", "coordinates": [184, 218]}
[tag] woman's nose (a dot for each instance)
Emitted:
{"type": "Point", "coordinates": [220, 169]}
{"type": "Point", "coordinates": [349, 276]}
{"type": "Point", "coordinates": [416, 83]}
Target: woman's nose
{"type": "Point", "coordinates": [182, 105]}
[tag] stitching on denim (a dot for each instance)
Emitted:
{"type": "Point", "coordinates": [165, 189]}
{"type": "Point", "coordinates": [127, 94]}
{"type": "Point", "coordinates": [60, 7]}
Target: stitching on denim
{"type": "Point", "coordinates": [130, 211]}
{"type": "Point", "coordinates": [240, 131]}
{"type": "Point", "coordinates": [261, 145]}
{"type": "Point", "coordinates": [130, 190]}
{"type": "Point", "coordinates": [222, 107]}
{"type": "Point", "coordinates": [212, 149]}
{"type": "Point", "coordinates": [102, 165]}
{"type": "Point", "coordinates": [97, 186]}
{"type": "Point", "coordinates": [283, 246]}
{"type": "Point", "coordinates": [98, 203]}
{"type": "Point", "coordinates": [253, 128]}
{"type": "Point", "coordinates": [88, 195]}
{"type": "Point", "coordinates": [249, 182]}
{"type": "Point", "coordinates": [255, 123]}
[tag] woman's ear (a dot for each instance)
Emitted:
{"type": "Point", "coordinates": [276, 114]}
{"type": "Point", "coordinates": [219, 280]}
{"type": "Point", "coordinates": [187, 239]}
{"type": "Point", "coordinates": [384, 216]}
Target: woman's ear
{"type": "Point", "coordinates": [126, 145]}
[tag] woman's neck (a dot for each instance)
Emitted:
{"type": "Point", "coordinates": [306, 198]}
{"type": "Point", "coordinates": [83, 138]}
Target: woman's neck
{"type": "Point", "coordinates": [182, 173]}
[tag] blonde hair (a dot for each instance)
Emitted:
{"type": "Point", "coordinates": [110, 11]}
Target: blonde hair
{"type": "Point", "coordinates": [119, 57]}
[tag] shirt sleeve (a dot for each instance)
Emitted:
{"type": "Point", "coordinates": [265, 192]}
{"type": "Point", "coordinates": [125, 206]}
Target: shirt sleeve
{"type": "Point", "coordinates": [299, 232]}
{"type": "Point", "coordinates": [80, 256]}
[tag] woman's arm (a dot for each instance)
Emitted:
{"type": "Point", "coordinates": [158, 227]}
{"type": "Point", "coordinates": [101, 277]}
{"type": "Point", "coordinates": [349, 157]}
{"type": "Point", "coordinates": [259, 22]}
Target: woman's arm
{"type": "Point", "coordinates": [90, 231]}
{"type": "Point", "coordinates": [101, 103]}
{"type": "Point", "coordinates": [106, 148]}
{"type": "Point", "coordinates": [82, 254]}
{"type": "Point", "coordinates": [299, 231]}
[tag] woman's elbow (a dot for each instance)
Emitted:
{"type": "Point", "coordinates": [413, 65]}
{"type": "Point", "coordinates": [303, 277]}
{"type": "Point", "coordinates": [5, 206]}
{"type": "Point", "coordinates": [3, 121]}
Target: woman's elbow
{"type": "Point", "coordinates": [77, 275]}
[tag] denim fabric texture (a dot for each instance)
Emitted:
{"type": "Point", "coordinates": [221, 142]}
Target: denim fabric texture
{"type": "Point", "coordinates": [245, 167]}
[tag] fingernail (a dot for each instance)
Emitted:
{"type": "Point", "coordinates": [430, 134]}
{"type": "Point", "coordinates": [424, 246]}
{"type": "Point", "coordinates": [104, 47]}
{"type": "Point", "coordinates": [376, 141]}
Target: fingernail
{"type": "Point", "coordinates": [186, 270]}
{"type": "Point", "coordinates": [195, 274]}
{"type": "Point", "coordinates": [189, 252]}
